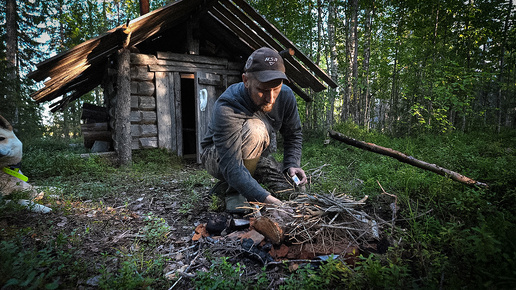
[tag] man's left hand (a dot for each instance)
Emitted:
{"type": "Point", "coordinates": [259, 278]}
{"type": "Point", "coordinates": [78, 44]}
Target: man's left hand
{"type": "Point", "coordinates": [299, 172]}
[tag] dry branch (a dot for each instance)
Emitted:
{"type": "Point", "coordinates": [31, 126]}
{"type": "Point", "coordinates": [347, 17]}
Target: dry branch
{"type": "Point", "coordinates": [406, 159]}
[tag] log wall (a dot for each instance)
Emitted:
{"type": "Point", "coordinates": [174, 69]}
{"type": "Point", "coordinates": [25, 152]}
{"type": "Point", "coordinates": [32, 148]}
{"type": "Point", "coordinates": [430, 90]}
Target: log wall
{"type": "Point", "coordinates": [155, 115]}
{"type": "Point", "coordinates": [144, 125]}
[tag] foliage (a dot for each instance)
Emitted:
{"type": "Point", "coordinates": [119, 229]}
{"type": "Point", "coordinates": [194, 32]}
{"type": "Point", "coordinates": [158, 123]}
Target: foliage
{"type": "Point", "coordinates": [136, 271]}
{"type": "Point", "coordinates": [451, 230]}
{"type": "Point", "coordinates": [155, 160]}
{"type": "Point", "coordinates": [156, 231]}
{"type": "Point", "coordinates": [193, 196]}
{"type": "Point", "coordinates": [32, 268]}
{"type": "Point", "coordinates": [331, 274]}
{"type": "Point", "coordinates": [223, 275]}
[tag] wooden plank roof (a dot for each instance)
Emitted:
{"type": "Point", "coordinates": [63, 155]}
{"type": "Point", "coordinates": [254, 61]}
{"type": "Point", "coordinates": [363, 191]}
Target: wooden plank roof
{"type": "Point", "coordinates": [75, 72]}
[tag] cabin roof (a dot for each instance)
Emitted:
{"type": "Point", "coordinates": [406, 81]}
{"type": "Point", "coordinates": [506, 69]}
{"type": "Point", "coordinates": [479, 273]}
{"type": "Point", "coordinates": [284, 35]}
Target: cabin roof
{"type": "Point", "coordinates": [231, 26]}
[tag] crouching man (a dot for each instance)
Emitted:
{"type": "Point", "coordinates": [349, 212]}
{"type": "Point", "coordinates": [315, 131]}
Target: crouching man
{"type": "Point", "coordinates": [244, 118]}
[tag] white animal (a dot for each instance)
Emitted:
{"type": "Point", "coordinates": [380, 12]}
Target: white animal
{"type": "Point", "coordinates": [11, 177]}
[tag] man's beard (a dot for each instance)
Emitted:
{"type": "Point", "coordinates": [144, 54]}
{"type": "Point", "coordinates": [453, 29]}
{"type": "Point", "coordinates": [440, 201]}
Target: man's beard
{"type": "Point", "coordinates": [266, 108]}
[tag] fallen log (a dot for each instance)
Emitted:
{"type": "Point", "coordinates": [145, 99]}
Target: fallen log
{"type": "Point", "coordinates": [406, 159]}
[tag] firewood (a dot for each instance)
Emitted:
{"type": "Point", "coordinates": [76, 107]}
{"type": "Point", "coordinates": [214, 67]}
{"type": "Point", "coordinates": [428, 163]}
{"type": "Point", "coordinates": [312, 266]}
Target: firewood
{"type": "Point", "coordinates": [269, 229]}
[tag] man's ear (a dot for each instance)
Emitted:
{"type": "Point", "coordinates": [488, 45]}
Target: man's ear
{"type": "Point", "coordinates": [245, 79]}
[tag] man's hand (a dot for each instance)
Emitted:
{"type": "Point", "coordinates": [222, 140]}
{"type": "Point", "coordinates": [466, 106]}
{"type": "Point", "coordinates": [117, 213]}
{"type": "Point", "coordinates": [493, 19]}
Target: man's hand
{"type": "Point", "coordinates": [299, 172]}
{"type": "Point", "coordinates": [279, 211]}
{"type": "Point", "coordinates": [272, 200]}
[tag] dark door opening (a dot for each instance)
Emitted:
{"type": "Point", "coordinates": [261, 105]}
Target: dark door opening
{"type": "Point", "coordinates": [188, 114]}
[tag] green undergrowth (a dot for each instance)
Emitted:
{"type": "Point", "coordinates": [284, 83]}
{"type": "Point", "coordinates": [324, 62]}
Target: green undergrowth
{"type": "Point", "coordinates": [453, 234]}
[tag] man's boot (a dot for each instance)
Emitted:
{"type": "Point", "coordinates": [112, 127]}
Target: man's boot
{"type": "Point", "coordinates": [234, 200]}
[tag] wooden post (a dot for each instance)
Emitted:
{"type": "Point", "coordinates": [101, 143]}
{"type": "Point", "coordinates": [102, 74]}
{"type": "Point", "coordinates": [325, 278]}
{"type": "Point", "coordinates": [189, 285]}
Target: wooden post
{"type": "Point", "coordinates": [144, 7]}
{"type": "Point", "coordinates": [123, 109]}
{"type": "Point", "coordinates": [163, 110]}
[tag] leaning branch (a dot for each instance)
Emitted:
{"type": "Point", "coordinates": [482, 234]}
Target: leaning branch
{"type": "Point", "coordinates": [406, 159]}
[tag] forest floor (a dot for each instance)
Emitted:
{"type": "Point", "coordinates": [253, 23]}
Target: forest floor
{"type": "Point", "coordinates": [150, 229]}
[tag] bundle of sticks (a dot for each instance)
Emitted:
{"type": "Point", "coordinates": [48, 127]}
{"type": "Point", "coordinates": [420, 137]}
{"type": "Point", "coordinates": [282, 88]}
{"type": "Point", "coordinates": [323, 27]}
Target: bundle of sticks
{"type": "Point", "coordinates": [323, 218]}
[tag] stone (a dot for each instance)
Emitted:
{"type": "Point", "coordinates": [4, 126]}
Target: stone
{"type": "Point", "coordinates": [216, 224]}
{"type": "Point", "coordinates": [100, 146]}
{"type": "Point", "coordinates": [239, 224]}
{"type": "Point", "coordinates": [253, 235]}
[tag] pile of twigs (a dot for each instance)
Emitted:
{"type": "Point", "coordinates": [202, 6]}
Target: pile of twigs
{"type": "Point", "coordinates": [325, 218]}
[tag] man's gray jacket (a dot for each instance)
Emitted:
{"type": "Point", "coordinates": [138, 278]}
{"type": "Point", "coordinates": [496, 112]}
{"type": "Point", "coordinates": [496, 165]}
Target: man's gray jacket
{"type": "Point", "coordinates": [230, 111]}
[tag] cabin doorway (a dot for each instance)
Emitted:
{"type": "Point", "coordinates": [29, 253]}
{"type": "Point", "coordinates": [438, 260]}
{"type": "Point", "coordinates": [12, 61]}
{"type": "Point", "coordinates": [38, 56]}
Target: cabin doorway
{"type": "Point", "coordinates": [189, 130]}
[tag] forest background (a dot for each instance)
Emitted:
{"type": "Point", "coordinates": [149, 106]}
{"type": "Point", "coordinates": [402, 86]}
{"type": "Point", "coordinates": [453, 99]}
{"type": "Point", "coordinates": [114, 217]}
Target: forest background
{"type": "Point", "coordinates": [403, 67]}
{"type": "Point", "coordinates": [435, 79]}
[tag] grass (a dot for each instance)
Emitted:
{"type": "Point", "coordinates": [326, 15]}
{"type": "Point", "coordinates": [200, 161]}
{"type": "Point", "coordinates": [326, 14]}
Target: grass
{"type": "Point", "coordinates": [448, 234]}
{"type": "Point", "coordinates": [455, 234]}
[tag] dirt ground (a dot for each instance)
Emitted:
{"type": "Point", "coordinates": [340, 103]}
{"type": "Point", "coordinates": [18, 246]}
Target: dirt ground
{"type": "Point", "coordinates": [101, 231]}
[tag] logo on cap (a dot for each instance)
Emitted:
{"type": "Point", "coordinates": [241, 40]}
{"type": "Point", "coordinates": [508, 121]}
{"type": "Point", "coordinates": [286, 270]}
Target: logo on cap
{"type": "Point", "coordinates": [271, 60]}
{"type": "Point", "coordinates": [249, 62]}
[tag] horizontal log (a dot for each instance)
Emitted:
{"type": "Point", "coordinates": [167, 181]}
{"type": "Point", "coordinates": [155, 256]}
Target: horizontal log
{"type": "Point", "coordinates": [94, 127]}
{"type": "Point", "coordinates": [143, 143]}
{"type": "Point", "coordinates": [93, 112]}
{"type": "Point", "coordinates": [138, 58]}
{"type": "Point", "coordinates": [97, 135]}
{"type": "Point", "coordinates": [142, 88]}
{"type": "Point", "coordinates": [141, 73]}
{"type": "Point", "coordinates": [169, 68]}
{"type": "Point", "coordinates": [210, 82]}
{"type": "Point", "coordinates": [146, 103]}
{"type": "Point", "coordinates": [190, 64]}
{"type": "Point", "coordinates": [143, 117]}
{"type": "Point", "coordinates": [144, 130]}
{"type": "Point", "coordinates": [191, 58]}
{"type": "Point", "coordinates": [91, 136]}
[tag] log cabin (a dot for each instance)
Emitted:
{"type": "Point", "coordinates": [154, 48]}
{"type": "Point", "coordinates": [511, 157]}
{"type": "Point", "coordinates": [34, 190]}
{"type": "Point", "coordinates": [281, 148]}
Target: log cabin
{"type": "Point", "coordinates": [161, 73]}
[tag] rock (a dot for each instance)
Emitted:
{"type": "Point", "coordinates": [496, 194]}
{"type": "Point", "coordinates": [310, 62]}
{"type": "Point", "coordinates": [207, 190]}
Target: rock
{"type": "Point", "coordinates": [100, 146]}
{"type": "Point", "coordinates": [255, 236]}
{"type": "Point", "coordinates": [216, 224]}
{"type": "Point", "coordinates": [239, 224]}
{"type": "Point", "coordinates": [93, 281]}
{"type": "Point", "coordinates": [200, 231]}
{"type": "Point", "coordinates": [280, 252]}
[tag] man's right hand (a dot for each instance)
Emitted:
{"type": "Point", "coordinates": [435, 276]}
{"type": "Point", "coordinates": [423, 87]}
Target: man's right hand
{"type": "Point", "coordinates": [272, 200]}
{"type": "Point", "coordinates": [279, 212]}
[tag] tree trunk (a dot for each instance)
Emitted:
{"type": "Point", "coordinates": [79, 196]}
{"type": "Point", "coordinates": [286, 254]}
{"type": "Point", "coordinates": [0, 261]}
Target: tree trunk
{"type": "Point", "coordinates": [11, 53]}
{"type": "Point", "coordinates": [344, 113]}
{"type": "Point", "coordinates": [393, 110]}
{"type": "Point", "coordinates": [144, 7]}
{"type": "Point", "coordinates": [332, 18]}
{"type": "Point", "coordinates": [406, 159]}
{"type": "Point", "coordinates": [501, 97]}
{"type": "Point", "coordinates": [353, 58]}
{"type": "Point", "coordinates": [366, 103]}
{"type": "Point", "coordinates": [11, 42]}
